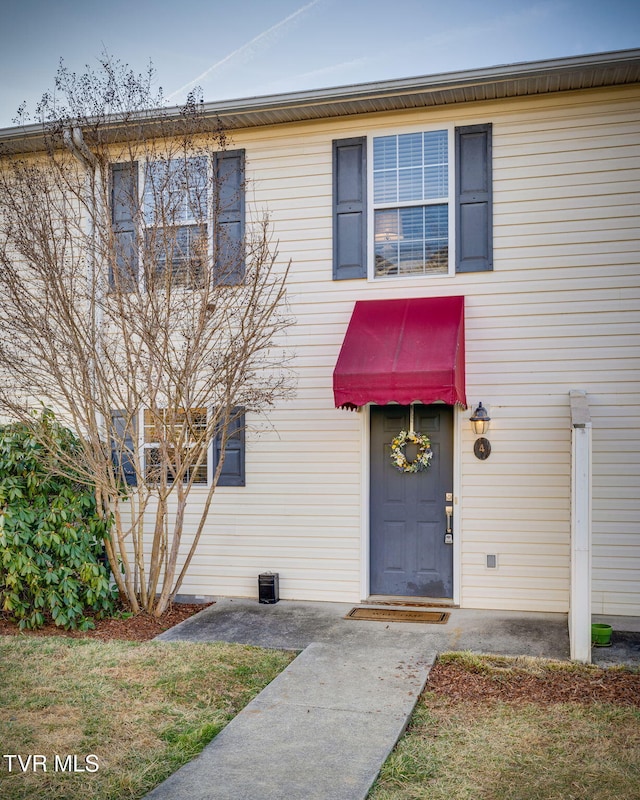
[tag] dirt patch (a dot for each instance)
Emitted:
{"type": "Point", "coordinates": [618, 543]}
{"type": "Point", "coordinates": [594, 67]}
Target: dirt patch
{"type": "Point", "coordinates": [139, 628]}
{"type": "Point", "coordinates": [458, 683]}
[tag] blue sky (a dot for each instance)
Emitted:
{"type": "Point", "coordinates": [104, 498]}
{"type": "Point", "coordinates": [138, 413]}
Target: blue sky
{"type": "Point", "coordinates": [245, 48]}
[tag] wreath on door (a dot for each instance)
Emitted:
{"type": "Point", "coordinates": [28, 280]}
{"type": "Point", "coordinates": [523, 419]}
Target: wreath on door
{"type": "Point", "coordinates": [421, 461]}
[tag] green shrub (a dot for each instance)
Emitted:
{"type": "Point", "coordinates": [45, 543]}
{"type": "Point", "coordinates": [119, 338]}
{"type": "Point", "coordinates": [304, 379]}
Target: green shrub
{"type": "Point", "coordinates": [51, 537]}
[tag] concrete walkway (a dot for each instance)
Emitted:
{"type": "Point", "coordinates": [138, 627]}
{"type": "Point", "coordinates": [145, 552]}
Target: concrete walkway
{"type": "Point", "coordinates": [324, 727]}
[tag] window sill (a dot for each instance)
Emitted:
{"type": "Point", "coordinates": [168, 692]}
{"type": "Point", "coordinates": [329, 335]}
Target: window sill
{"type": "Point", "coordinates": [405, 278]}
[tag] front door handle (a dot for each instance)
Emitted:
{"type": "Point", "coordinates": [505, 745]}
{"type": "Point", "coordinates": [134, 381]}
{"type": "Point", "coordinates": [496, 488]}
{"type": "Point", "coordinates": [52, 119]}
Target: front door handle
{"type": "Point", "coordinates": [448, 510]}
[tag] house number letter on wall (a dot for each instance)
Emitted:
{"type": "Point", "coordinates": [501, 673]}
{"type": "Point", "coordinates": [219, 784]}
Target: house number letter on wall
{"type": "Point", "coordinates": [482, 448]}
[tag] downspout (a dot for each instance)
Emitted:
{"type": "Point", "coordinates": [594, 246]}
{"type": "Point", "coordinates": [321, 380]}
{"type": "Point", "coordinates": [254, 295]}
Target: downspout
{"type": "Point", "coordinates": [581, 503]}
{"type": "Point", "coordinates": [74, 140]}
{"type": "Point", "coordinates": [77, 146]}
{"type": "Point", "coordinates": [75, 143]}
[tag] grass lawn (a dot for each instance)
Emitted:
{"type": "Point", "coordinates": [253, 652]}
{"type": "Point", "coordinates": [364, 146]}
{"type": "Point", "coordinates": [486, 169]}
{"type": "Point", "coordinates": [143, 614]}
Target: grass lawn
{"type": "Point", "coordinates": [475, 745]}
{"type": "Point", "coordinates": [140, 710]}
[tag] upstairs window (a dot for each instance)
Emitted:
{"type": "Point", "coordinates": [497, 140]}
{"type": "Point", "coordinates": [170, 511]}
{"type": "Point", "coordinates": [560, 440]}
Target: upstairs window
{"type": "Point", "coordinates": [411, 204]}
{"type": "Point", "coordinates": [420, 182]}
{"type": "Point", "coordinates": [175, 206]}
{"type": "Point", "coordinates": [175, 218]}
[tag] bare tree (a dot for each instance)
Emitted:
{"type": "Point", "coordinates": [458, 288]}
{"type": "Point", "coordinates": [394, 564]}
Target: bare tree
{"type": "Point", "coordinates": [138, 306]}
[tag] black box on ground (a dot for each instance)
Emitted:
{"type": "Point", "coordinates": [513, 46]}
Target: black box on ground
{"type": "Point", "coordinates": [268, 587]}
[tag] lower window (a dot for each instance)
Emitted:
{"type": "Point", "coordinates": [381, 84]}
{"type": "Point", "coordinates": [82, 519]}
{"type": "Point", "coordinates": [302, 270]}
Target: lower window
{"type": "Point", "coordinates": [185, 448]}
{"type": "Point", "coordinates": [178, 449]}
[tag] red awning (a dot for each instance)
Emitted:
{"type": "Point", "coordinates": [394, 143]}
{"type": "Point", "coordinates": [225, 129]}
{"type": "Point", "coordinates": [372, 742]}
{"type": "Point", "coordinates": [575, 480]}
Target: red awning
{"type": "Point", "coordinates": [402, 351]}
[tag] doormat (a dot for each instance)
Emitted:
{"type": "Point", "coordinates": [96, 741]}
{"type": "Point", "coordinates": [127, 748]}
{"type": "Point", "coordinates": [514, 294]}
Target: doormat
{"type": "Point", "coordinates": [407, 603]}
{"type": "Point", "coordinates": [398, 615]}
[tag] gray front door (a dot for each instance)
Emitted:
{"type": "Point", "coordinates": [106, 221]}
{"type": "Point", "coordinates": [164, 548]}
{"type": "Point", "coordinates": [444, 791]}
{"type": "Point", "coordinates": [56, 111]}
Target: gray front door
{"type": "Point", "coordinates": [409, 555]}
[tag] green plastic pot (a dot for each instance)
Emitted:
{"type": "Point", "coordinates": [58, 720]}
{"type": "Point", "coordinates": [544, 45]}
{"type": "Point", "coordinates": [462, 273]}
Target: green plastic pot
{"type": "Point", "coordinates": [601, 634]}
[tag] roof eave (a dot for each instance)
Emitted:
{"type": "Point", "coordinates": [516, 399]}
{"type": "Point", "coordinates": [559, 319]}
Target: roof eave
{"type": "Point", "coordinates": [511, 80]}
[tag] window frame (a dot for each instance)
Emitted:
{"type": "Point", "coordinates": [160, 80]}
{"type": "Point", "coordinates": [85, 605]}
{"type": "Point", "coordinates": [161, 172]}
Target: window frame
{"type": "Point", "coordinates": [127, 190]}
{"type": "Point", "coordinates": [372, 206]}
{"type": "Point", "coordinates": [147, 446]}
{"type": "Point", "coordinates": [188, 222]}
{"type": "Point", "coordinates": [211, 460]}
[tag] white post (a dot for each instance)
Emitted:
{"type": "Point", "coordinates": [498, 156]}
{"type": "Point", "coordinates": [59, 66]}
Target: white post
{"type": "Point", "coordinates": [580, 600]}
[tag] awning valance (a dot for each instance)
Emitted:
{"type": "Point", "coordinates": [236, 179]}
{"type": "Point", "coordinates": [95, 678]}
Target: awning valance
{"type": "Point", "coordinates": [402, 351]}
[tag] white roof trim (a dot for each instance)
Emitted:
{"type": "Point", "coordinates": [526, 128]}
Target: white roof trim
{"type": "Point", "coordinates": [511, 80]}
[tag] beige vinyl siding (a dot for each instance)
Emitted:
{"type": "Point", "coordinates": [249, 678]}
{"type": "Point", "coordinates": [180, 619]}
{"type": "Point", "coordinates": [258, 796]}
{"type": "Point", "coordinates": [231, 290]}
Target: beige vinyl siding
{"type": "Point", "coordinates": [616, 508]}
{"type": "Point", "coordinates": [560, 311]}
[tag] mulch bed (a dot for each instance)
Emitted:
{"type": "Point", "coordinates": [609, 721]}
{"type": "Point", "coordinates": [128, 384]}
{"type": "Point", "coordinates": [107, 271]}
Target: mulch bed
{"type": "Point", "coordinates": [140, 628]}
{"type": "Point", "coordinates": [617, 686]}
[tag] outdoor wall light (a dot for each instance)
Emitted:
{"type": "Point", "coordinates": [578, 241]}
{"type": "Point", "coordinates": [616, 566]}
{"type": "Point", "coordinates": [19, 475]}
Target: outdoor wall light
{"type": "Point", "coordinates": [480, 420]}
{"type": "Point", "coordinates": [480, 424]}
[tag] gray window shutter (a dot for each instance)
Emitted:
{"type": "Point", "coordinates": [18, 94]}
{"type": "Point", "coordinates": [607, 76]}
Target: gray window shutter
{"type": "Point", "coordinates": [123, 445]}
{"type": "Point", "coordinates": [124, 202]}
{"type": "Point", "coordinates": [349, 208]}
{"type": "Point", "coordinates": [474, 223]}
{"type": "Point", "coordinates": [229, 216]}
{"type": "Point", "coordinates": [233, 472]}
